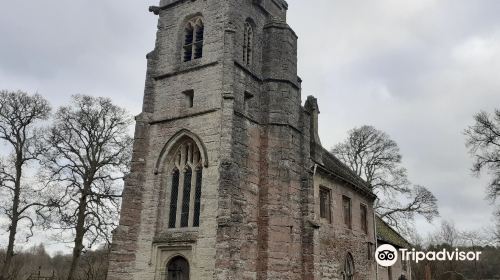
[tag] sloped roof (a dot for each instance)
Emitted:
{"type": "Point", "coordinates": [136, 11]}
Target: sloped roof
{"type": "Point", "coordinates": [387, 234]}
{"type": "Point", "coordinates": [331, 164]}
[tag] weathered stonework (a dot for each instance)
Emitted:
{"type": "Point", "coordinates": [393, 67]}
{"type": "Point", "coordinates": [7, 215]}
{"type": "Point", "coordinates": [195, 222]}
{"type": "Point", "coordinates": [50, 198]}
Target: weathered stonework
{"type": "Point", "coordinates": [262, 160]}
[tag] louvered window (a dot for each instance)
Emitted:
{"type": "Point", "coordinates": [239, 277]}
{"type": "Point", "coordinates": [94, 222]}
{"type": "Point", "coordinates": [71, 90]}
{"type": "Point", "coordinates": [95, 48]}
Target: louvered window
{"type": "Point", "coordinates": [248, 44]}
{"type": "Point", "coordinates": [193, 39]}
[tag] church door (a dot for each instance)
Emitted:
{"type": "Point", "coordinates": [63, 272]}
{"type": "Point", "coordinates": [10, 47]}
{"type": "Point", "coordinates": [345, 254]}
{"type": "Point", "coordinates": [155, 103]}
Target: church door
{"type": "Point", "coordinates": [178, 269]}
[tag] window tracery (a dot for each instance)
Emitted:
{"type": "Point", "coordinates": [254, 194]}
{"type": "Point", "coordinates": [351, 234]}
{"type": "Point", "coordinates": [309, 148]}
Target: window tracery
{"type": "Point", "coordinates": [185, 186]}
{"type": "Point", "coordinates": [193, 39]}
{"type": "Point", "coordinates": [248, 44]}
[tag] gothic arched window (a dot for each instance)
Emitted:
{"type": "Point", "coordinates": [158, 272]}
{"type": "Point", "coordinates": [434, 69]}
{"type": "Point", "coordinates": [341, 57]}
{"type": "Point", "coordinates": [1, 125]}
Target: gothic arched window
{"type": "Point", "coordinates": [178, 269]}
{"type": "Point", "coordinates": [185, 186]}
{"type": "Point", "coordinates": [348, 267]}
{"type": "Point", "coordinates": [193, 39]}
{"type": "Point", "coordinates": [248, 44]}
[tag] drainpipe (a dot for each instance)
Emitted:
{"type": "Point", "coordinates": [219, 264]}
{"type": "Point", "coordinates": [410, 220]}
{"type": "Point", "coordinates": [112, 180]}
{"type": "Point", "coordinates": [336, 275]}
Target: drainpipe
{"type": "Point", "coordinates": [376, 243]}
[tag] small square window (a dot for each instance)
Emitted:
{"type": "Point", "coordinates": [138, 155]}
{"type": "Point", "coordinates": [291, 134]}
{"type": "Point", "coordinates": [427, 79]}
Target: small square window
{"type": "Point", "coordinates": [325, 203]}
{"type": "Point", "coordinates": [188, 98]}
{"type": "Point", "coordinates": [248, 96]}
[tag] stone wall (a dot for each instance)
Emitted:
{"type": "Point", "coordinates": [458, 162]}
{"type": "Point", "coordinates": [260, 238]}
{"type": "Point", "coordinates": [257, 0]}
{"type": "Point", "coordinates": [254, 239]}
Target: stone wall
{"type": "Point", "coordinates": [259, 204]}
{"type": "Point", "coordinates": [396, 271]}
{"type": "Point", "coordinates": [142, 244]}
{"type": "Point", "coordinates": [336, 240]}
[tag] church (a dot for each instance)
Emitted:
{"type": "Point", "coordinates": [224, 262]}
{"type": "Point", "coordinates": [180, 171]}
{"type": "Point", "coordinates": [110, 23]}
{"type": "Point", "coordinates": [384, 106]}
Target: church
{"type": "Point", "coordinates": [229, 179]}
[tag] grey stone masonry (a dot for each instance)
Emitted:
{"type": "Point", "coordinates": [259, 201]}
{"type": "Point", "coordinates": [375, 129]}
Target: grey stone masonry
{"type": "Point", "coordinates": [234, 128]}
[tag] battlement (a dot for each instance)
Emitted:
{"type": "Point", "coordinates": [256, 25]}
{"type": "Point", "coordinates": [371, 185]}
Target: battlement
{"type": "Point", "coordinates": [274, 8]}
{"type": "Point", "coordinates": [168, 2]}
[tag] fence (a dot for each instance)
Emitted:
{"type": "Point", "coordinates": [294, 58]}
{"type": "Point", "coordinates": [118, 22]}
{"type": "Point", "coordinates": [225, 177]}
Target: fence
{"type": "Point", "coordinates": [38, 276]}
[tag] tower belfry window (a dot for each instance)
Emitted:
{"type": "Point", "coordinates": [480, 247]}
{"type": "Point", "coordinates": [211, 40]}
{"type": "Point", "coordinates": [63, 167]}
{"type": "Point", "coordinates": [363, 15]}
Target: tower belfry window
{"type": "Point", "coordinates": [248, 44]}
{"type": "Point", "coordinates": [193, 39]}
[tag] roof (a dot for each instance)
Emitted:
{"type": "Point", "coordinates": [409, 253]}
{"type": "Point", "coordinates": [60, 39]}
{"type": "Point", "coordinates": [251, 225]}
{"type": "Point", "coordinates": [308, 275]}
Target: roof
{"type": "Point", "coordinates": [335, 167]}
{"type": "Point", "coordinates": [387, 234]}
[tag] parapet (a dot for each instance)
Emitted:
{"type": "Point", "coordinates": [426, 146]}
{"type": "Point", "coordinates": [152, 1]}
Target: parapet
{"type": "Point", "coordinates": [275, 8]}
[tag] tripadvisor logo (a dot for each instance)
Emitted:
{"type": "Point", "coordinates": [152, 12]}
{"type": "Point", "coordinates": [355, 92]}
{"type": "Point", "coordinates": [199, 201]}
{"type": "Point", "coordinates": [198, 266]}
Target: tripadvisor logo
{"type": "Point", "coordinates": [387, 255]}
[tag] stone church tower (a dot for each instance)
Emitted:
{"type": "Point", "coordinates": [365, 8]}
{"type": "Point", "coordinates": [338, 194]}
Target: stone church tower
{"type": "Point", "coordinates": [229, 179]}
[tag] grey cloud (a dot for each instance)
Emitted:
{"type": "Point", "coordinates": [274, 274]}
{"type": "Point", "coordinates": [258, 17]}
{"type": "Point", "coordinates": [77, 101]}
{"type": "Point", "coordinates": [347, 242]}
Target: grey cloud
{"type": "Point", "coordinates": [60, 48]}
{"type": "Point", "coordinates": [417, 69]}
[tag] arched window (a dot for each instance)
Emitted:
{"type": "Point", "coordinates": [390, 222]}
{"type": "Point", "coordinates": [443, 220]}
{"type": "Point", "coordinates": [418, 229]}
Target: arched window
{"type": "Point", "coordinates": [348, 267]}
{"type": "Point", "coordinates": [193, 39]}
{"type": "Point", "coordinates": [248, 44]}
{"type": "Point", "coordinates": [185, 186]}
{"type": "Point", "coordinates": [178, 269]}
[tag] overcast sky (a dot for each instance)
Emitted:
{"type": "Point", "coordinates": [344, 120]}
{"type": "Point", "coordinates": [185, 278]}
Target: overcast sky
{"type": "Point", "coordinates": [416, 69]}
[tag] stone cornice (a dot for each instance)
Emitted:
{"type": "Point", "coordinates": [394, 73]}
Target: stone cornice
{"type": "Point", "coordinates": [185, 69]}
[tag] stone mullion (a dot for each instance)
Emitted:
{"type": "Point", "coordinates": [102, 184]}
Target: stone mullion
{"type": "Point", "coordinates": [245, 46]}
{"type": "Point", "coordinates": [193, 45]}
{"type": "Point", "coordinates": [249, 45]}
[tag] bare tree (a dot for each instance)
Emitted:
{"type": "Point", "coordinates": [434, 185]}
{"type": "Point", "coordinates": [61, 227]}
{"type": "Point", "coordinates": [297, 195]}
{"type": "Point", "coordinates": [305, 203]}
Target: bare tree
{"type": "Point", "coordinates": [483, 141]}
{"type": "Point", "coordinates": [372, 155]}
{"type": "Point", "coordinates": [473, 239]}
{"type": "Point", "coordinates": [417, 201]}
{"type": "Point", "coordinates": [95, 266]}
{"type": "Point", "coordinates": [495, 232]}
{"type": "Point", "coordinates": [446, 237]}
{"type": "Point", "coordinates": [19, 114]}
{"type": "Point", "coordinates": [90, 150]}
{"type": "Point", "coordinates": [449, 233]}
{"type": "Point", "coordinates": [376, 158]}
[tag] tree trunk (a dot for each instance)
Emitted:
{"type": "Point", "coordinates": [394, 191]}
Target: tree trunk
{"type": "Point", "coordinates": [10, 251]}
{"type": "Point", "coordinates": [427, 272]}
{"type": "Point", "coordinates": [14, 220]}
{"type": "Point", "coordinates": [80, 232]}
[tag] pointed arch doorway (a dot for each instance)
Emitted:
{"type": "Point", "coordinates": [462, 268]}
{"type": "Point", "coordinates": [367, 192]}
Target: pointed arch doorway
{"type": "Point", "coordinates": [178, 269]}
